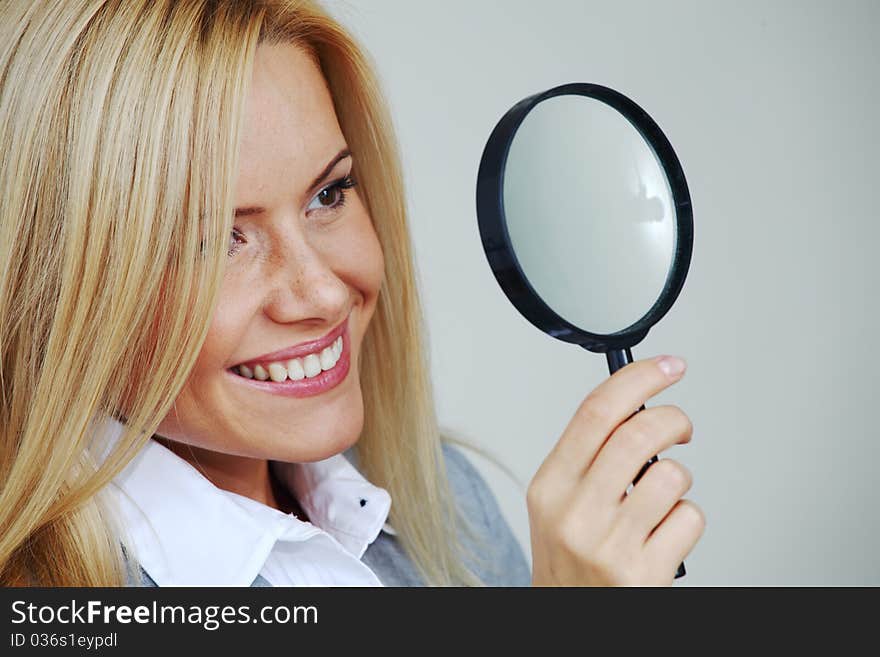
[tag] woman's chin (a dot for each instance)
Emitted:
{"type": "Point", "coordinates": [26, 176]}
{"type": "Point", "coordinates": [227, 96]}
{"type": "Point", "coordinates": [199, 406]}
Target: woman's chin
{"type": "Point", "coordinates": [320, 449]}
{"type": "Point", "coordinates": [319, 440]}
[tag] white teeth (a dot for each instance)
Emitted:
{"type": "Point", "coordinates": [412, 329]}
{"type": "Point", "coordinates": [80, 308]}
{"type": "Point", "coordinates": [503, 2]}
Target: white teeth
{"type": "Point", "coordinates": [328, 358]}
{"type": "Point", "coordinates": [295, 369]}
{"type": "Point", "coordinates": [312, 365]}
{"type": "Point", "coordinates": [277, 372]}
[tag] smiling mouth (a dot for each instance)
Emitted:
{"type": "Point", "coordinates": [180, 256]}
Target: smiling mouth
{"type": "Point", "coordinates": [312, 368]}
{"type": "Point", "coordinates": [305, 367]}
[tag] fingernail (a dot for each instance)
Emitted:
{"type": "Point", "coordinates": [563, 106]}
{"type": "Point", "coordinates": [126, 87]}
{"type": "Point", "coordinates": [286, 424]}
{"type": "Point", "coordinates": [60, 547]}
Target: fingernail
{"type": "Point", "coordinates": [672, 366]}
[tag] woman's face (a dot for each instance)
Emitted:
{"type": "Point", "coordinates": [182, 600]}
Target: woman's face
{"type": "Point", "coordinates": [305, 264]}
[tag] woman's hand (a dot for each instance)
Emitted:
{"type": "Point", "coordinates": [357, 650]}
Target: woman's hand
{"type": "Point", "coordinates": [585, 528]}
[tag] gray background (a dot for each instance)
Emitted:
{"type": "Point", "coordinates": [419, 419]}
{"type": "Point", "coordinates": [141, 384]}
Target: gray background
{"type": "Point", "coordinates": [772, 109]}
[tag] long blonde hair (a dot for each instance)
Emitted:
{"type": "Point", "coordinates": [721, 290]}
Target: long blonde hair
{"type": "Point", "coordinates": [119, 125]}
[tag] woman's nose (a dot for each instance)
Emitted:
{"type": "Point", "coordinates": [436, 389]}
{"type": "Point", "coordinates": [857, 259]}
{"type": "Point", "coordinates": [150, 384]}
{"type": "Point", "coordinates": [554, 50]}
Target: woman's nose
{"type": "Point", "coordinates": [304, 285]}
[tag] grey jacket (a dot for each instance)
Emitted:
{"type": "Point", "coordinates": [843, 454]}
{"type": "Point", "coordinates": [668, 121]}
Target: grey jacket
{"type": "Point", "coordinates": [496, 557]}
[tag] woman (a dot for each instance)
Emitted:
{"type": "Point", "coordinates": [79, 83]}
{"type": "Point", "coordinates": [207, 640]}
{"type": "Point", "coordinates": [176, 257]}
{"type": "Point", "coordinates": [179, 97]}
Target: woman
{"type": "Point", "coordinates": [211, 335]}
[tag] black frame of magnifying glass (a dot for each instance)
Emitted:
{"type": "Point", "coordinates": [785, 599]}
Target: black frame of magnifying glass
{"type": "Point", "coordinates": [496, 238]}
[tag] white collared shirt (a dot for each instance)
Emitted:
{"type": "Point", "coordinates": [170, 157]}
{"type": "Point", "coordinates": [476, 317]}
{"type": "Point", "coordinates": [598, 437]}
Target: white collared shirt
{"type": "Point", "coordinates": [186, 531]}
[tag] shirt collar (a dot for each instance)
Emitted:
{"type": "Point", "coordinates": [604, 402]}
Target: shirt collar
{"type": "Point", "coordinates": [176, 519]}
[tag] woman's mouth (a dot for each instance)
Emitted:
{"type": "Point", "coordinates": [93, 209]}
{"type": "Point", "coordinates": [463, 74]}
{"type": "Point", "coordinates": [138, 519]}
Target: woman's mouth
{"type": "Point", "coordinates": [303, 376]}
{"type": "Point", "coordinates": [295, 369]}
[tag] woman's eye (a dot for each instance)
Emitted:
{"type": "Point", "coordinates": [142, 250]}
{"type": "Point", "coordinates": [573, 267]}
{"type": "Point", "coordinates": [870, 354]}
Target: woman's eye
{"type": "Point", "coordinates": [328, 197]}
{"type": "Point", "coordinates": [233, 245]}
{"type": "Point", "coordinates": [333, 195]}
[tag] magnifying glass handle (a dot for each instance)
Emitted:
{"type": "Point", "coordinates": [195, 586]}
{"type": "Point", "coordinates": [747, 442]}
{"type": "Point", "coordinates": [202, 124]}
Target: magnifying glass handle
{"type": "Point", "coordinates": [617, 358]}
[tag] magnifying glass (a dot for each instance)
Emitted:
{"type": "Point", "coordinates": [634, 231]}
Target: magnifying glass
{"type": "Point", "coordinates": [585, 218]}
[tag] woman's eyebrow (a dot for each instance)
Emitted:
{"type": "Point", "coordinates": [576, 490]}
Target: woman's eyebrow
{"type": "Point", "coordinates": [341, 155]}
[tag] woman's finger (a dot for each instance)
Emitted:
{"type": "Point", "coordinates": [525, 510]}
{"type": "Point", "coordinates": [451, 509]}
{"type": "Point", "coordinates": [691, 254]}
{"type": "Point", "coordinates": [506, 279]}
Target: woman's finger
{"type": "Point", "coordinates": [605, 408]}
{"type": "Point", "coordinates": [651, 500]}
{"type": "Point", "coordinates": [646, 434]}
{"type": "Point", "coordinates": [676, 536]}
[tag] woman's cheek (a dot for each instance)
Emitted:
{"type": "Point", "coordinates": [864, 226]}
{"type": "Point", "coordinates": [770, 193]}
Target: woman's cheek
{"type": "Point", "coordinates": [372, 257]}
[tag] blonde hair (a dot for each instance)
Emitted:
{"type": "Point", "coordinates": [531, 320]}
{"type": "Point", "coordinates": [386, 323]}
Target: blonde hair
{"type": "Point", "coordinates": [120, 121]}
